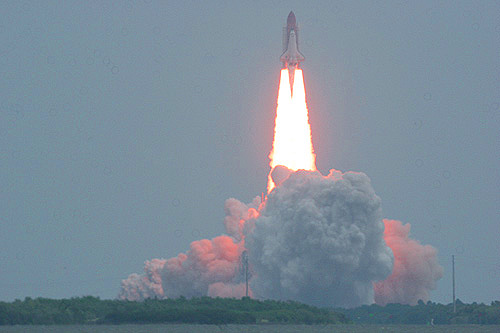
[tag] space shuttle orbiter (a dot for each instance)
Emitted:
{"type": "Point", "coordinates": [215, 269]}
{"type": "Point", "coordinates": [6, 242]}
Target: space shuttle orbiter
{"type": "Point", "coordinates": [291, 56]}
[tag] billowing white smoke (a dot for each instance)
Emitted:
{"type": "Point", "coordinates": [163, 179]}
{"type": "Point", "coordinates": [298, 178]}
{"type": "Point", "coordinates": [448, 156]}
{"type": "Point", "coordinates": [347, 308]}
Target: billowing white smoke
{"type": "Point", "coordinates": [237, 213]}
{"type": "Point", "coordinates": [319, 240]}
{"type": "Point", "coordinates": [316, 239]}
{"type": "Point", "coordinates": [147, 285]}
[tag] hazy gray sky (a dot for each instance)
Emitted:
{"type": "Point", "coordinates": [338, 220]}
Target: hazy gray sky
{"type": "Point", "coordinates": [125, 125]}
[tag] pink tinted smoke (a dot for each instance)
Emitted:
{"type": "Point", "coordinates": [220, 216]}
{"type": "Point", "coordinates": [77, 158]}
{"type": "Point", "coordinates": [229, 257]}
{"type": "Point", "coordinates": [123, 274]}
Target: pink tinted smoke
{"type": "Point", "coordinates": [415, 270]}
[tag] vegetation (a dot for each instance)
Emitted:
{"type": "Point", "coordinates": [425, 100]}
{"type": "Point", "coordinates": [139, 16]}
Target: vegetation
{"type": "Point", "coordinates": [422, 313]}
{"type": "Point", "coordinates": [204, 310]}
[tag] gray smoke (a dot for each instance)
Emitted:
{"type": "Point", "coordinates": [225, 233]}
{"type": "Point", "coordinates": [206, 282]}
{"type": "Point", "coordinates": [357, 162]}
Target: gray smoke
{"type": "Point", "coordinates": [315, 239]}
{"type": "Point", "coordinates": [319, 240]}
{"type": "Point", "coordinates": [148, 285]}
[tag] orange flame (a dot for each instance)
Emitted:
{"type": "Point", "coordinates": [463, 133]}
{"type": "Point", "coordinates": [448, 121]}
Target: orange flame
{"type": "Point", "coordinates": [292, 145]}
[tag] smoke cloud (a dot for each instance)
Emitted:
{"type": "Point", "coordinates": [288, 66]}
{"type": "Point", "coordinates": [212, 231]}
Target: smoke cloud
{"type": "Point", "coordinates": [315, 239]}
{"type": "Point", "coordinates": [415, 271]}
{"type": "Point", "coordinates": [207, 262]}
{"type": "Point", "coordinates": [210, 267]}
{"type": "Point", "coordinates": [148, 285]}
{"type": "Point", "coordinates": [319, 240]}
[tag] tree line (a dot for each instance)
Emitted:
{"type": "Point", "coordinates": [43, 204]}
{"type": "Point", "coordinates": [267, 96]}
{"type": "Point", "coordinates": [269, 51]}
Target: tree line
{"type": "Point", "coordinates": [426, 313]}
{"type": "Point", "coordinates": [204, 310]}
{"type": "Point", "coordinates": [219, 311]}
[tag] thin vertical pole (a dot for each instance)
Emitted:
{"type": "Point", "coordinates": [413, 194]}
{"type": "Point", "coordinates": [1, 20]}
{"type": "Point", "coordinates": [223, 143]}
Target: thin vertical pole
{"type": "Point", "coordinates": [453, 275]}
{"type": "Point", "coordinates": [246, 279]}
{"type": "Point", "coordinates": [244, 259]}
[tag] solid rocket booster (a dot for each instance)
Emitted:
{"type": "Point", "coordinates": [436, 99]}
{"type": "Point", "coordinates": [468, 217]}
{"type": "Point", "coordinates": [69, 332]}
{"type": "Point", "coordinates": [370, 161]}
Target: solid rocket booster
{"type": "Point", "coordinates": [291, 56]}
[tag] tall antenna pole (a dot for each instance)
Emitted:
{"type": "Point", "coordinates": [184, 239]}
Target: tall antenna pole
{"type": "Point", "coordinates": [246, 280]}
{"type": "Point", "coordinates": [453, 276]}
{"type": "Point", "coordinates": [244, 258]}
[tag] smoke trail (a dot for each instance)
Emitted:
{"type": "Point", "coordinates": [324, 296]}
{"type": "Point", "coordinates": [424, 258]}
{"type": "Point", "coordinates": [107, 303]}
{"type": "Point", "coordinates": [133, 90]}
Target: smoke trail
{"type": "Point", "coordinates": [415, 271]}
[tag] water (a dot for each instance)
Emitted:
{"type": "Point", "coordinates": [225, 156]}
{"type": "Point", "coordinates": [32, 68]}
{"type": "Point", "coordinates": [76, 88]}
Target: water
{"type": "Point", "coordinates": [184, 328]}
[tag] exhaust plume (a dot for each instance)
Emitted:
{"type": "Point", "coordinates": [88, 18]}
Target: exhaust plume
{"type": "Point", "coordinates": [316, 239]}
{"type": "Point", "coordinates": [292, 144]}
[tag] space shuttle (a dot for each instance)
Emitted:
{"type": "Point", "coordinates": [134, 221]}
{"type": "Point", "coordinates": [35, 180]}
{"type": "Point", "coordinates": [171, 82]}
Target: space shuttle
{"type": "Point", "coordinates": [291, 56]}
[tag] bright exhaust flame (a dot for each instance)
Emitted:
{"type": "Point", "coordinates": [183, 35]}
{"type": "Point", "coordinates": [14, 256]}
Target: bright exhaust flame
{"type": "Point", "coordinates": [292, 145]}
